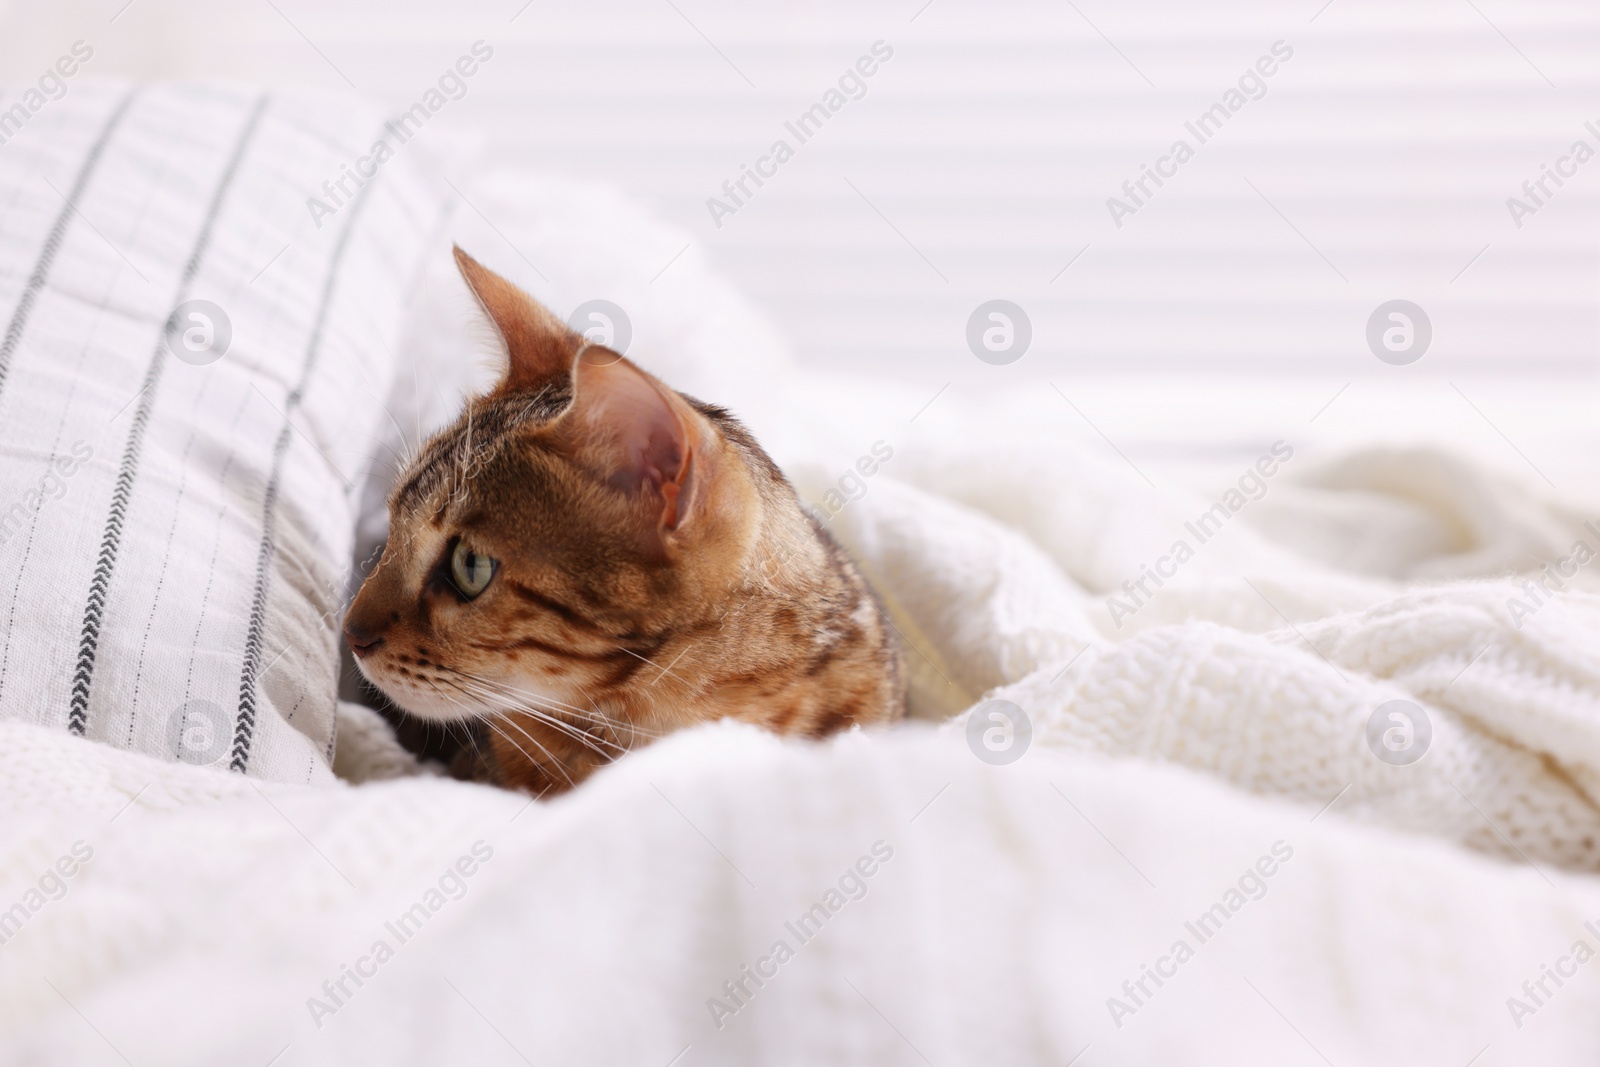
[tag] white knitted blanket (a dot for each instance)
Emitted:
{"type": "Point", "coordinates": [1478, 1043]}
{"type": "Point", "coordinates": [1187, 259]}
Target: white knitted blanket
{"type": "Point", "coordinates": [1389, 575]}
{"type": "Point", "coordinates": [727, 898]}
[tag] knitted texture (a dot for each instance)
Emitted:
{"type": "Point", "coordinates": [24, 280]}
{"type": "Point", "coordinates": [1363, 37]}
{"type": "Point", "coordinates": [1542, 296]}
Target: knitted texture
{"type": "Point", "coordinates": [1017, 902]}
{"type": "Point", "coordinates": [1262, 659]}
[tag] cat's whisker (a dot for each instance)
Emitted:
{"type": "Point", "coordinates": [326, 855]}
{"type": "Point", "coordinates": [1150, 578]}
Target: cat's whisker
{"type": "Point", "coordinates": [614, 750]}
{"type": "Point", "coordinates": [668, 668]}
{"type": "Point", "coordinates": [466, 453]}
{"type": "Point", "coordinates": [471, 711]}
{"type": "Point", "coordinates": [500, 693]}
{"type": "Point", "coordinates": [479, 759]}
{"type": "Point", "coordinates": [661, 671]}
{"type": "Point", "coordinates": [540, 715]}
{"type": "Point", "coordinates": [632, 727]}
{"type": "Point", "coordinates": [587, 742]}
{"type": "Point", "coordinates": [555, 763]}
{"type": "Point", "coordinates": [472, 738]}
{"type": "Point", "coordinates": [489, 721]}
{"type": "Point", "coordinates": [472, 735]}
{"type": "Point", "coordinates": [403, 440]}
{"type": "Point", "coordinates": [399, 462]}
{"type": "Point", "coordinates": [371, 457]}
{"type": "Point", "coordinates": [543, 700]}
{"type": "Point", "coordinates": [594, 715]}
{"type": "Point", "coordinates": [502, 698]}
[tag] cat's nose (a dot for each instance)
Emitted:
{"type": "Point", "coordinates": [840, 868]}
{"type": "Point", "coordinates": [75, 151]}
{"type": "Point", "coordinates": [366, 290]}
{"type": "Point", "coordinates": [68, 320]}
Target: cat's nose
{"type": "Point", "coordinates": [362, 637]}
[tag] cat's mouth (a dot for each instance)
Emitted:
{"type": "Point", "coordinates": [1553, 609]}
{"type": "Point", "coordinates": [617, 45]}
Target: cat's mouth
{"type": "Point", "coordinates": [423, 690]}
{"type": "Point", "coordinates": [430, 690]}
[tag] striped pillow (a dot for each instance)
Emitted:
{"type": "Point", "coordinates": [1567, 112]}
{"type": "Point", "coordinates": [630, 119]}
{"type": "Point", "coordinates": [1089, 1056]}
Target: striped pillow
{"type": "Point", "coordinates": [190, 381]}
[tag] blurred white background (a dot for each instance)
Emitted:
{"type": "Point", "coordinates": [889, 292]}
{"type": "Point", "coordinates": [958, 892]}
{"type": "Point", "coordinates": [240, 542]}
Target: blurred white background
{"type": "Point", "coordinates": [1377, 165]}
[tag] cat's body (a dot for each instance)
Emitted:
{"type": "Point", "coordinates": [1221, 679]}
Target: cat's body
{"type": "Point", "coordinates": [588, 560]}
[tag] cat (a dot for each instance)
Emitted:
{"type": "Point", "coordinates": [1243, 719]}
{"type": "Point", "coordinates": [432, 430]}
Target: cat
{"type": "Point", "coordinates": [588, 560]}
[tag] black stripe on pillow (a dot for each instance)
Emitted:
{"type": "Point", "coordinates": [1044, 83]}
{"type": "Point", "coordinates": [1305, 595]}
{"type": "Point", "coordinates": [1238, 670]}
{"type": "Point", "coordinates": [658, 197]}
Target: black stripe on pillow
{"type": "Point", "coordinates": [111, 540]}
{"type": "Point", "coordinates": [52, 242]}
{"type": "Point", "coordinates": [244, 725]}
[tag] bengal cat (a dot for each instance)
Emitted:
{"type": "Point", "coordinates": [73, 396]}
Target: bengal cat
{"type": "Point", "coordinates": [587, 560]}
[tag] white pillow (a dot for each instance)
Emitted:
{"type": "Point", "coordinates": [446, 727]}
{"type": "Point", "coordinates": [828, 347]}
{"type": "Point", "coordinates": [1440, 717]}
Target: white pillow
{"type": "Point", "coordinates": [176, 516]}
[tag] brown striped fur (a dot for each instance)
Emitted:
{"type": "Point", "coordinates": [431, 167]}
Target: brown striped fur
{"type": "Point", "coordinates": [654, 570]}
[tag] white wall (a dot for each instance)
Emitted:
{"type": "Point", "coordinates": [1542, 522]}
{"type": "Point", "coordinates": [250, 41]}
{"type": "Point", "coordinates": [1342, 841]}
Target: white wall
{"type": "Point", "coordinates": [1390, 141]}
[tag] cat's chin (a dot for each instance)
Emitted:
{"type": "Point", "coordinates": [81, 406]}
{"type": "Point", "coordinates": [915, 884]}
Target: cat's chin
{"type": "Point", "coordinates": [421, 702]}
{"type": "Point", "coordinates": [421, 706]}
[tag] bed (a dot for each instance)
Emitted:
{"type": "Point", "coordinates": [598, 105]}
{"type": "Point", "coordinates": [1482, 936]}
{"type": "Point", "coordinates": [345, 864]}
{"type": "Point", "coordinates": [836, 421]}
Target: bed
{"type": "Point", "coordinates": [1291, 756]}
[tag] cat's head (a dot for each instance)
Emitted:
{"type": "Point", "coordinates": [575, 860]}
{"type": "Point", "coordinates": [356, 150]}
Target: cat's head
{"type": "Point", "coordinates": [562, 528]}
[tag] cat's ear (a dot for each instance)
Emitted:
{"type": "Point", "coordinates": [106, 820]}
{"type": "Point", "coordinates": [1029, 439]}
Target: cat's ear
{"type": "Point", "coordinates": [640, 436]}
{"type": "Point", "coordinates": [539, 346]}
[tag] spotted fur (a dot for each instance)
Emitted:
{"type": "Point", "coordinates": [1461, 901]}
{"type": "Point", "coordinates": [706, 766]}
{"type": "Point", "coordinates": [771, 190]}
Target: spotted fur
{"type": "Point", "coordinates": [654, 569]}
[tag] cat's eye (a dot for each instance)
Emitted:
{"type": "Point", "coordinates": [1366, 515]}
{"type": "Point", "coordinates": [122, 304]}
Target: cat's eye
{"type": "Point", "coordinates": [470, 572]}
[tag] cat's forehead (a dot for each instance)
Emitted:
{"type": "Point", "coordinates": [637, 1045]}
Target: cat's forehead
{"type": "Point", "coordinates": [444, 465]}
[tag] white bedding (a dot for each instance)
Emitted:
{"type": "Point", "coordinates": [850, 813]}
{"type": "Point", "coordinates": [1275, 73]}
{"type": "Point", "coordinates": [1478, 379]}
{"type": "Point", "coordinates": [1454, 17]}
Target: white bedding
{"type": "Point", "coordinates": [1220, 730]}
{"type": "Point", "coordinates": [1016, 903]}
{"type": "Point", "coordinates": [1018, 899]}
{"type": "Point", "coordinates": [1259, 661]}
